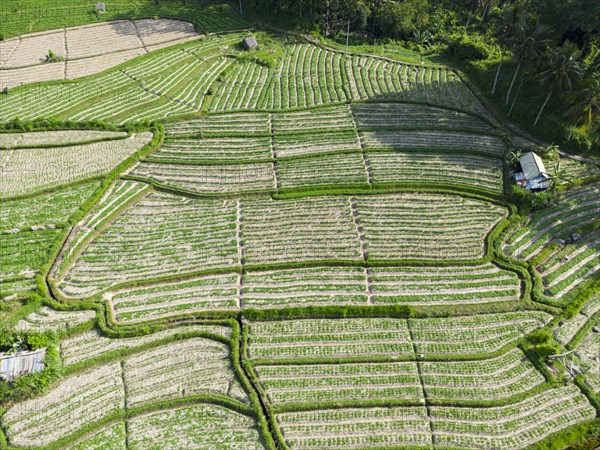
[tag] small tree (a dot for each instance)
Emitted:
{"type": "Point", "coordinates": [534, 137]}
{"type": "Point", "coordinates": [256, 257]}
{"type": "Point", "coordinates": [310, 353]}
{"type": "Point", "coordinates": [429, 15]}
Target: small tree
{"type": "Point", "coordinates": [53, 57]}
{"type": "Point", "coordinates": [559, 176]}
{"type": "Point", "coordinates": [586, 103]}
{"type": "Point", "coordinates": [514, 157]}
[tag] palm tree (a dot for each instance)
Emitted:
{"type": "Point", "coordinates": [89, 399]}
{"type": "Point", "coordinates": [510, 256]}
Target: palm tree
{"type": "Point", "coordinates": [529, 46]}
{"type": "Point", "coordinates": [473, 6]}
{"type": "Point", "coordinates": [510, 18]}
{"type": "Point", "coordinates": [586, 103]}
{"type": "Point", "coordinates": [564, 69]}
{"type": "Point", "coordinates": [514, 157]}
{"type": "Point", "coordinates": [486, 7]}
{"type": "Point", "coordinates": [523, 79]}
{"type": "Point", "coordinates": [558, 177]}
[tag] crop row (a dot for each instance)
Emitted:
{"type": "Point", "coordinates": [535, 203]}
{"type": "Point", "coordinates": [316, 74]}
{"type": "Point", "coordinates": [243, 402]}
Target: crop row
{"type": "Point", "coordinates": [448, 285]}
{"type": "Point", "coordinates": [305, 76]}
{"type": "Point", "coordinates": [29, 227]}
{"type": "Point", "coordinates": [244, 88]}
{"type": "Point", "coordinates": [205, 293]}
{"type": "Point", "coordinates": [178, 81]}
{"type": "Point", "coordinates": [43, 211]}
{"type": "Point", "coordinates": [28, 170]}
{"type": "Point", "coordinates": [332, 118]}
{"type": "Point", "coordinates": [191, 172]}
{"type": "Point", "coordinates": [222, 149]}
{"type": "Point", "coordinates": [211, 178]}
{"type": "Point", "coordinates": [431, 169]}
{"type": "Point", "coordinates": [165, 234]}
{"type": "Point", "coordinates": [364, 116]}
{"type": "Point", "coordinates": [414, 226]}
{"type": "Point", "coordinates": [373, 116]}
{"type": "Point", "coordinates": [57, 99]}
{"type": "Point", "coordinates": [10, 140]}
{"type": "Point", "coordinates": [305, 144]}
{"type": "Point", "coordinates": [92, 40]}
{"type": "Point", "coordinates": [245, 124]}
{"type": "Point", "coordinates": [514, 426]}
{"type": "Point", "coordinates": [117, 197]}
{"type": "Point", "coordinates": [432, 139]}
{"type": "Point", "coordinates": [349, 428]}
{"type": "Point", "coordinates": [74, 402]}
{"type": "Point", "coordinates": [318, 286]}
{"type": "Point", "coordinates": [170, 371]}
{"type": "Point", "coordinates": [211, 18]}
{"type": "Point", "coordinates": [170, 82]}
{"type": "Point", "coordinates": [161, 235]}
{"type": "Point", "coordinates": [576, 208]}
{"type": "Point", "coordinates": [568, 328]}
{"type": "Point", "coordinates": [373, 78]}
{"type": "Point", "coordinates": [506, 427]}
{"type": "Point", "coordinates": [312, 228]}
{"type": "Point", "coordinates": [308, 75]}
{"type": "Point", "coordinates": [489, 379]}
{"type": "Point", "coordinates": [327, 338]}
{"type": "Point", "coordinates": [21, 284]}
{"type": "Point", "coordinates": [92, 344]}
{"type": "Point", "coordinates": [587, 351]}
{"type": "Point", "coordinates": [564, 270]}
{"type": "Point", "coordinates": [113, 437]}
{"type": "Point", "coordinates": [501, 377]}
{"type": "Point", "coordinates": [48, 319]}
{"type": "Point", "coordinates": [592, 306]}
{"type": "Point", "coordinates": [326, 170]}
{"type": "Point", "coordinates": [198, 426]}
{"type": "Point", "coordinates": [178, 369]}
{"type": "Point", "coordinates": [24, 253]}
{"type": "Point", "coordinates": [340, 382]}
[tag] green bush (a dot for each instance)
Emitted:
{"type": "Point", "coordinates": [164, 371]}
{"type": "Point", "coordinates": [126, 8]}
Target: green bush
{"type": "Point", "coordinates": [539, 337]}
{"type": "Point", "coordinates": [546, 350]}
{"type": "Point", "coordinates": [528, 201]}
{"type": "Point", "coordinates": [467, 47]}
{"type": "Point", "coordinates": [581, 142]}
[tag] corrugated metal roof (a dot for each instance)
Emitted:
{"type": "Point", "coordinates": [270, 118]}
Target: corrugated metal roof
{"type": "Point", "coordinates": [532, 166]}
{"type": "Point", "coordinates": [20, 363]}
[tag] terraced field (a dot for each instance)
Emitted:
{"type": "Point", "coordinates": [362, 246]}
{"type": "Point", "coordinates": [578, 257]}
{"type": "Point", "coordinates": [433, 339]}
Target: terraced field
{"type": "Point", "coordinates": [86, 50]}
{"type": "Point", "coordinates": [312, 252]}
{"type": "Point", "coordinates": [562, 263]}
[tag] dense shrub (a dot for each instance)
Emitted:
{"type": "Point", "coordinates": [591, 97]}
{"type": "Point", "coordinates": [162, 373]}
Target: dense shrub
{"type": "Point", "coordinates": [467, 47]}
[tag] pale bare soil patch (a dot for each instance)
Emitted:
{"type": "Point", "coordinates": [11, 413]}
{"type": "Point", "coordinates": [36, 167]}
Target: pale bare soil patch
{"type": "Point", "coordinates": [86, 50]}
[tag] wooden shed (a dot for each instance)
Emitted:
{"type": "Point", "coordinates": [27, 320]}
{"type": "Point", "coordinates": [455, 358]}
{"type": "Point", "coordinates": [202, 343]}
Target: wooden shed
{"type": "Point", "coordinates": [533, 175]}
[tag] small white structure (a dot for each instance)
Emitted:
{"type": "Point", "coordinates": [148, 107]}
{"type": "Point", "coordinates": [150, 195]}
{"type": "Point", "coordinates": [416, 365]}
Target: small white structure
{"type": "Point", "coordinates": [100, 7]}
{"type": "Point", "coordinates": [533, 175]}
{"type": "Point", "coordinates": [21, 363]}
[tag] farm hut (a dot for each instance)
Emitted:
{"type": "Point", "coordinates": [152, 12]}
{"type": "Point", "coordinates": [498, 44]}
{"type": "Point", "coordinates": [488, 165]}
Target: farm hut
{"type": "Point", "coordinates": [533, 175]}
{"type": "Point", "coordinates": [21, 363]}
{"type": "Point", "coordinates": [250, 42]}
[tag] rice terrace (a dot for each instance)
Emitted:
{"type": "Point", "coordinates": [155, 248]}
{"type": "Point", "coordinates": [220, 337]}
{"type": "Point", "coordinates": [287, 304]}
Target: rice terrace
{"type": "Point", "coordinates": [219, 230]}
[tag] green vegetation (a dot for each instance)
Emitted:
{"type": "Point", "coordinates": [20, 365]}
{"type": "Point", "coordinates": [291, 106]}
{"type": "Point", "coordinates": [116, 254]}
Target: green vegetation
{"type": "Point", "coordinates": [519, 53]}
{"type": "Point", "coordinates": [27, 16]}
{"type": "Point", "coordinates": [296, 246]}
